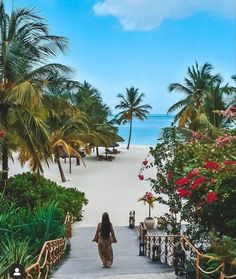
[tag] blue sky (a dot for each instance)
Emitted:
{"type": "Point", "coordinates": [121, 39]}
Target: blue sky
{"type": "Point", "coordinates": [115, 44]}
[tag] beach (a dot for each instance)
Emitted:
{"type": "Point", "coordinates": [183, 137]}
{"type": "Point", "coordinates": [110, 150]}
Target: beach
{"type": "Point", "coordinates": [110, 186]}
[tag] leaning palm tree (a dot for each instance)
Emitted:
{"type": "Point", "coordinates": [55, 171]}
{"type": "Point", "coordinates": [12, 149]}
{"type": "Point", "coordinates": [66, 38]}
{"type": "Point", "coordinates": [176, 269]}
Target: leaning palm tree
{"type": "Point", "coordinates": [25, 47]}
{"type": "Point", "coordinates": [199, 79]}
{"type": "Point", "coordinates": [131, 107]}
{"type": "Point", "coordinates": [68, 129]}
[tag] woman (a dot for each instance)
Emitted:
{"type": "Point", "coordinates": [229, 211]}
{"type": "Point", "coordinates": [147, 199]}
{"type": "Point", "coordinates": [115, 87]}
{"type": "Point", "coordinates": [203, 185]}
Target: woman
{"type": "Point", "coordinates": [105, 236]}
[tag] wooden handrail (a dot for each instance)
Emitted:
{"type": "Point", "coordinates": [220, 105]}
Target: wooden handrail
{"type": "Point", "coordinates": [51, 253]}
{"type": "Point", "coordinates": [185, 243]}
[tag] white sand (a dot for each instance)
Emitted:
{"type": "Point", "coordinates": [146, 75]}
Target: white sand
{"type": "Point", "coordinates": [109, 186]}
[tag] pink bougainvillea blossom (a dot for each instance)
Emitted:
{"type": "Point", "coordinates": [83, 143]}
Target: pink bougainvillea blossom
{"type": "Point", "coordinates": [229, 162]}
{"type": "Point", "coordinates": [211, 197]}
{"type": "Point", "coordinates": [184, 192]}
{"type": "Point", "coordinates": [197, 182]}
{"type": "Point", "coordinates": [225, 139]}
{"type": "Point", "coordinates": [192, 173]}
{"type": "Point", "coordinates": [227, 113]}
{"type": "Point", "coordinates": [211, 165]}
{"type": "Point", "coordinates": [198, 135]}
{"type": "Point", "coordinates": [233, 109]}
{"type": "Point", "coordinates": [2, 134]}
{"type": "Point", "coordinates": [145, 162]}
{"type": "Point", "coordinates": [182, 181]}
{"type": "Point", "coordinates": [141, 177]}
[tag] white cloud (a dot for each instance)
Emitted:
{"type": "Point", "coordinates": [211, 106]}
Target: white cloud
{"type": "Point", "coordinates": [148, 14]}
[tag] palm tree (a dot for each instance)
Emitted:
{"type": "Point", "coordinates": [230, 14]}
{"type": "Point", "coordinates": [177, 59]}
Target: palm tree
{"type": "Point", "coordinates": [68, 128]}
{"type": "Point", "coordinates": [215, 101]}
{"type": "Point", "coordinates": [25, 46]}
{"type": "Point", "coordinates": [89, 101]}
{"type": "Point", "coordinates": [195, 87]}
{"type": "Point", "coordinates": [132, 107]}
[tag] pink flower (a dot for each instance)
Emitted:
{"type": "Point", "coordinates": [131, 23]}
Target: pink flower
{"type": "Point", "coordinates": [2, 134]}
{"type": "Point", "coordinates": [145, 162]}
{"type": "Point", "coordinates": [211, 165]}
{"type": "Point", "coordinates": [224, 140]}
{"type": "Point", "coordinates": [198, 135]}
{"type": "Point", "coordinates": [197, 182]}
{"type": "Point", "coordinates": [141, 177]}
{"type": "Point", "coordinates": [148, 195]}
{"type": "Point", "coordinates": [227, 113]}
{"type": "Point", "coordinates": [233, 109]}
{"type": "Point", "coordinates": [182, 181]}
{"type": "Point", "coordinates": [192, 173]}
{"type": "Point", "coordinates": [229, 162]}
{"type": "Point", "coordinates": [184, 192]}
{"type": "Point", "coordinates": [211, 197]}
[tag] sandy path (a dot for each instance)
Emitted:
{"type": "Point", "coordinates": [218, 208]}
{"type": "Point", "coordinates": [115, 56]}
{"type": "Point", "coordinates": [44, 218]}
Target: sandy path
{"type": "Point", "coordinates": [109, 186]}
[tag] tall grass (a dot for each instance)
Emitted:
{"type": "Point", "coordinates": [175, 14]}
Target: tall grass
{"type": "Point", "coordinates": [23, 232]}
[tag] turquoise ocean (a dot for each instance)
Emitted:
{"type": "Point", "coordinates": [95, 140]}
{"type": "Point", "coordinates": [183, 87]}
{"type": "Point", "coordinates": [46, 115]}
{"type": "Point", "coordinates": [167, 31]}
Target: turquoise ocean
{"type": "Point", "coordinates": [148, 131]}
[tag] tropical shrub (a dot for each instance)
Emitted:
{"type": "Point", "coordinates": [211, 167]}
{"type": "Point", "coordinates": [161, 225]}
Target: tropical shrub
{"type": "Point", "coordinates": [198, 178]}
{"type": "Point", "coordinates": [23, 232]}
{"type": "Point", "coordinates": [13, 250]}
{"type": "Point", "coordinates": [30, 190]}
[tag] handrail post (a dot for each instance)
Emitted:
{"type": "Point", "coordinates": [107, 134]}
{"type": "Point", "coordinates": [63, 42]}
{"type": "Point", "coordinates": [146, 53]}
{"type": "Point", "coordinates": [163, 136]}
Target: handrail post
{"type": "Point", "coordinates": [173, 252]}
{"type": "Point", "coordinates": [166, 249]}
{"type": "Point", "coordinates": [132, 219]}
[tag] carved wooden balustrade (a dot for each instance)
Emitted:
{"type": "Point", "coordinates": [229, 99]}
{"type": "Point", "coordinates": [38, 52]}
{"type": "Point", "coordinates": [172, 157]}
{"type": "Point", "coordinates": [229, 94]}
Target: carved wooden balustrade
{"type": "Point", "coordinates": [51, 254]}
{"type": "Point", "coordinates": [164, 248]}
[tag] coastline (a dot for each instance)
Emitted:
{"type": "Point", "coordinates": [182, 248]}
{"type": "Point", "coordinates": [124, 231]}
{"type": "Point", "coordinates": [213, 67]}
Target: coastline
{"type": "Point", "coordinates": [110, 186]}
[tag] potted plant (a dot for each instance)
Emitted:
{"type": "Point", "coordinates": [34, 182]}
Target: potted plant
{"type": "Point", "coordinates": [149, 198]}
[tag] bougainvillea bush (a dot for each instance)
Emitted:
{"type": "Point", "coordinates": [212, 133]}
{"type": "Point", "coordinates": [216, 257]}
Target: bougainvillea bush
{"type": "Point", "coordinates": [198, 177]}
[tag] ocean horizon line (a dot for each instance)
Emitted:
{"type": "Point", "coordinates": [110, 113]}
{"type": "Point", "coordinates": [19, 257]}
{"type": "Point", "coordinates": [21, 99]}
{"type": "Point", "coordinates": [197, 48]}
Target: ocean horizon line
{"type": "Point", "coordinates": [153, 114]}
{"type": "Point", "coordinates": [148, 131]}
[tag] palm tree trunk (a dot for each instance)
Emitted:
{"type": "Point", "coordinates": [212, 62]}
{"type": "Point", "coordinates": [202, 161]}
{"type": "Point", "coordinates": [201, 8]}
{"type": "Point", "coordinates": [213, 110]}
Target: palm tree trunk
{"type": "Point", "coordinates": [57, 159]}
{"type": "Point", "coordinates": [5, 151]}
{"type": "Point", "coordinates": [130, 130]}
{"type": "Point", "coordinates": [70, 164]}
{"type": "Point", "coordinates": [97, 151]}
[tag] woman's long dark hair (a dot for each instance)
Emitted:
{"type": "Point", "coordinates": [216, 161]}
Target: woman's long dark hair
{"type": "Point", "coordinates": [106, 226]}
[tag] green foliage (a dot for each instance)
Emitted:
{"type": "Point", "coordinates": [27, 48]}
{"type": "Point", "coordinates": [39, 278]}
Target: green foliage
{"type": "Point", "coordinates": [26, 74]}
{"type": "Point", "coordinates": [29, 190]}
{"type": "Point", "coordinates": [32, 211]}
{"type": "Point", "coordinates": [13, 250]}
{"type": "Point", "coordinates": [164, 183]}
{"type": "Point", "coordinates": [190, 200]}
{"type": "Point", "coordinates": [225, 246]}
{"type": "Point", "coordinates": [209, 265]}
{"type": "Point", "coordinates": [23, 232]}
{"type": "Point", "coordinates": [205, 95]}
